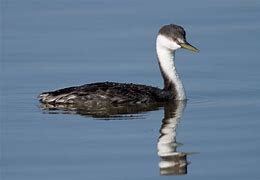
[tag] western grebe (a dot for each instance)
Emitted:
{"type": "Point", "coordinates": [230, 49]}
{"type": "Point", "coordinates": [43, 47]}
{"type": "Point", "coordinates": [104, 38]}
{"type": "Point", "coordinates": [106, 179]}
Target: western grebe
{"type": "Point", "coordinates": [169, 39]}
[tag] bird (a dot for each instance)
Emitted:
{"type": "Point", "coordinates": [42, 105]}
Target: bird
{"type": "Point", "coordinates": [170, 38]}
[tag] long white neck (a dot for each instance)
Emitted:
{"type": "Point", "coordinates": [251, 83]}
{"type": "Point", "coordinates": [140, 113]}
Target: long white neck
{"type": "Point", "coordinates": [172, 81]}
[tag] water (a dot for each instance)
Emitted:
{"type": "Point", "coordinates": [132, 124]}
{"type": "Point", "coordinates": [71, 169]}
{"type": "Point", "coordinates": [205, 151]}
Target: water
{"type": "Point", "coordinates": [52, 44]}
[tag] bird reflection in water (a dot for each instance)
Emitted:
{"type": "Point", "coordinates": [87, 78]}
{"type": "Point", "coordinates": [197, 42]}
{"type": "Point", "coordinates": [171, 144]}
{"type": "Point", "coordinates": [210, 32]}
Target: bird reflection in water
{"type": "Point", "coordinates": [171, 161]}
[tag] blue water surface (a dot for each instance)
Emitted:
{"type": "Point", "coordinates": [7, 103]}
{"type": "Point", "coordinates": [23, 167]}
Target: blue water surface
{"type": "Point", "coordinates": [52, 44]}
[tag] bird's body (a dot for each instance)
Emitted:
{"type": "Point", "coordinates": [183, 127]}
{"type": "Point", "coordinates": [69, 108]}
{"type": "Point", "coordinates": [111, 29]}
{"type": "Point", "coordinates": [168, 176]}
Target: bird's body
{"type": "Point", "coordinates": [170, 38]}
{"type": "Point", "coordinates": [105, 93]}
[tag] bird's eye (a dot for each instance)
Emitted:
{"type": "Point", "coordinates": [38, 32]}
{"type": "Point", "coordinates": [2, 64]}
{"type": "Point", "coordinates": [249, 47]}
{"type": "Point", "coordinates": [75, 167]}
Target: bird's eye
{"type": "Point", "coordinates": [175, 40]}
{"type": "Point", "coordinates": [179, 41]}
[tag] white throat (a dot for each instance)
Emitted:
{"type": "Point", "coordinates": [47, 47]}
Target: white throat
{"type": "Point", "coordinates": [166, 52]}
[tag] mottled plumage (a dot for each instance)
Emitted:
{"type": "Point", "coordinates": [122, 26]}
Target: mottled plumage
{"type": "Point", "coordinates": [107, 93]}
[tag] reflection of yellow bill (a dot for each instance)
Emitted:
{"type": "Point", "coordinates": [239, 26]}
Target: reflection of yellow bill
{"type": "Point", "coordinates": [188, 46]}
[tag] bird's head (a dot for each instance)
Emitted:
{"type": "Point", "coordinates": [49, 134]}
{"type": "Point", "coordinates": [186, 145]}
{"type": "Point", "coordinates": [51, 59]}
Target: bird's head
{"type": "Point", "coordinates": [173, 37]}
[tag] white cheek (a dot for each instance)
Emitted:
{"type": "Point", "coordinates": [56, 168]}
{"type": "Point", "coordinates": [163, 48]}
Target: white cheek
{"type": "Point", "coordinates": [166, 42]}
{"type": "Point", "coordinates": [175, 46]}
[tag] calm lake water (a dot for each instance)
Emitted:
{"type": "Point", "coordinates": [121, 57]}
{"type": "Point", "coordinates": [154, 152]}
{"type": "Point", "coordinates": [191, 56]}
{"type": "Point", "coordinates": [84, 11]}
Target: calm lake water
{"type": "Point", "coordinates": [51, 44]}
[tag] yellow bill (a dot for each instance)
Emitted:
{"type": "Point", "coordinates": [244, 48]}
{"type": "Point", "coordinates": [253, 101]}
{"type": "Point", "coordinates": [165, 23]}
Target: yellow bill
{"type": "Point", "coordinates": [188, 46]}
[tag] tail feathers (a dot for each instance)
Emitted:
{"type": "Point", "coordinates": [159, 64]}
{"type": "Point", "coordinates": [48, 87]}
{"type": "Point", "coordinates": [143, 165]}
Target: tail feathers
{"type": "Point", "coordinates": [46, 98]}
{"type": "Point", "coordinates": [53, 99]}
